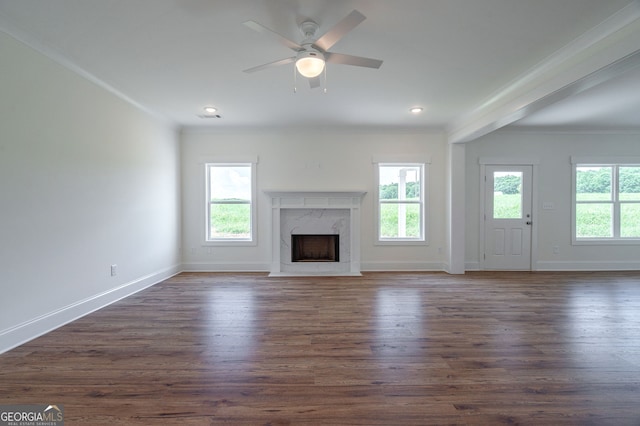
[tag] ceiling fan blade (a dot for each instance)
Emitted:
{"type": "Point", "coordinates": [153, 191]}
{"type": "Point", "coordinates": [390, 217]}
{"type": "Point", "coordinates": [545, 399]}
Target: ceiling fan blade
{"type": "Point", "coordinates": [271, 64]}
{"type": "Point", "coordinates": [314, 82]}
{"type": "Point", "coordinates": [339, 30]}
{"type": "Point", "coordinates": [282, 39]}
{"type": "Point", "coordinates": [358, 61]}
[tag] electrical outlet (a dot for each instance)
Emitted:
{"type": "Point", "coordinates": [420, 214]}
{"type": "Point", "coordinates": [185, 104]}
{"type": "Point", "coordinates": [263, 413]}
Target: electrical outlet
{"type": "Point", "coordinates": [556, 250]}
{"type": "Point", "coordinates": [114, 270]}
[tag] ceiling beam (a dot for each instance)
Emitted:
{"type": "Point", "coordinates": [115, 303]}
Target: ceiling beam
{"type": "Point", "coordinates": [602, 53]}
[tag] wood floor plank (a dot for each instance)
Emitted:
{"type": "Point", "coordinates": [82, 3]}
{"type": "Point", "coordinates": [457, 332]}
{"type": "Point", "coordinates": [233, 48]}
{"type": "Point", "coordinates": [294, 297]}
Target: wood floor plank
{"type": "Point", "coordinates": [382, 349]}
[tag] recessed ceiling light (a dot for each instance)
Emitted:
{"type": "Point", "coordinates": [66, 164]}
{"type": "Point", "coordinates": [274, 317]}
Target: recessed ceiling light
{"type": "Point", "coordinates": [416, 110]}
{"type": "Point", "coordinates": [210, 109]}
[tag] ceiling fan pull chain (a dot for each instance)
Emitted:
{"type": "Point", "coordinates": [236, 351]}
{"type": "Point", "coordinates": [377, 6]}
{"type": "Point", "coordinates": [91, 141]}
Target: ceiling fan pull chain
{"type": "Point", "coordinates": [295, 80]}
{"type": "Point", "coordinates": [325, 80]}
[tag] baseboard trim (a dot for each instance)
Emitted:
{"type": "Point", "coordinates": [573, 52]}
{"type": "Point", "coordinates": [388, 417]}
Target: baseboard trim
{"type": "Point", "coordinates": [403, 266]}
{"type": "Point", "coordinates": [266, 267]}
{"type": "Point", "coordinates": [226, 267]}
{"type": "Point", "coordinates": [587, 266]}
{"type": "Point", "coordinates": [472, 266]}
{"type": "Point", "coordinates": [29, 330]}
{"type": "Point", "coordinates": [573, 266]}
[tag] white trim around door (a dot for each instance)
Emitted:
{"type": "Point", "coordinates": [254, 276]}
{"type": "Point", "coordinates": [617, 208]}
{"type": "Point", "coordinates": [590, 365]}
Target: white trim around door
{"type": "Point", "coordinates": [508, 241]}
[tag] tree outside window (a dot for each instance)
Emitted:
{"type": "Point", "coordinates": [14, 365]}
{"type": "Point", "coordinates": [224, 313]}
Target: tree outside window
{"type": "Point", "coordinates": [401, 202]}
{"type": "Point", "coordinates": [607, 202]}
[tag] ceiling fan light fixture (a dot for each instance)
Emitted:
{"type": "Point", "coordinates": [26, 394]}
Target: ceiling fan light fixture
{"type": "Point", "coordinates": [310, 63]}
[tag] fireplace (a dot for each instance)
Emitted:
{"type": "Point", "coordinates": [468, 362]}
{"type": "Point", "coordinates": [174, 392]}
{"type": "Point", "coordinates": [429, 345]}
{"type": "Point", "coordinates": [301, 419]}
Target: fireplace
{"type": "Point", "coordinates": [315, 248]}
{"type": "Point", "coordinates": [330, 224]}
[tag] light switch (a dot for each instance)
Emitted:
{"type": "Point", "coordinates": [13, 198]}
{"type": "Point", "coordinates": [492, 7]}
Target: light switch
{"type": "Point", "coordinates": [548, 205]}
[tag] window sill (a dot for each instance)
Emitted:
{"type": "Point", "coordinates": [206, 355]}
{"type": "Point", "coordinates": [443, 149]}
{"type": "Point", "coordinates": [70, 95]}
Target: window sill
{"type": "Point", "coordinates": [230, 243]}
{"type": "Point", "coordinates": [401, 242]}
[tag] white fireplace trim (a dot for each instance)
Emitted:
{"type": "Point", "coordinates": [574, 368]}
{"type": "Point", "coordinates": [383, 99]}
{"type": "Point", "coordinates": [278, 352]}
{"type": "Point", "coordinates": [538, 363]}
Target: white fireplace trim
{"type": "Point", "coordinates": [350, 200]}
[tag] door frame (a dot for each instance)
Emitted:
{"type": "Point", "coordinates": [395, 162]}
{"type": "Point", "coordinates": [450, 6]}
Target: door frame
{"type": "Point", "coordinates": [509, 161]}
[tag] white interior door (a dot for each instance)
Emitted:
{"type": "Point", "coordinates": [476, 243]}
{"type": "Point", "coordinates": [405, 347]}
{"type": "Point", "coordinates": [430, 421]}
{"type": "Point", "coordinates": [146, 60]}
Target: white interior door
{"type": "Point", "coordinates": [507, 217]}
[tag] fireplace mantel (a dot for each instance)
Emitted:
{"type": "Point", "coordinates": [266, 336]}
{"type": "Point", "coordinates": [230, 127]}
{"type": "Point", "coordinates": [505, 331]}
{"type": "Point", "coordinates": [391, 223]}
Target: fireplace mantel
{"type": "Point", "coordinates": [306, 199]}
{"type": "Point", "coordinates": [344, 206]}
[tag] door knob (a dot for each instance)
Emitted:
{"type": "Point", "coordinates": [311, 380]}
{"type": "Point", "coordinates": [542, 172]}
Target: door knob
{"type": "Point", "coordinates": [529, 223]}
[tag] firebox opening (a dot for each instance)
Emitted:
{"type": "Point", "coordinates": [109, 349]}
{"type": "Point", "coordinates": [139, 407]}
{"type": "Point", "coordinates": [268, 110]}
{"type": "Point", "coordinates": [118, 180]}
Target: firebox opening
{"type": "Point", "coordinates": [315, 248]}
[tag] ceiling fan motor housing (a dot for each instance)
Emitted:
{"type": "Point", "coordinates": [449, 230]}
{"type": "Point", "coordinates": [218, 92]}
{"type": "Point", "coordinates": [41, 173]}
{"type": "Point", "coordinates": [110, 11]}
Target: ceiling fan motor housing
{"type": "Point", "coordinates": [309, 29]}
{"type": "Point", "coordinates": [309, 52]}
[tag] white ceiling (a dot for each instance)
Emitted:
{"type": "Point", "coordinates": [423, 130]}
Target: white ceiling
{"type": "Point", "coordinates": [173, 57]}
{"type": "Point", "coordinates": [609, 106]}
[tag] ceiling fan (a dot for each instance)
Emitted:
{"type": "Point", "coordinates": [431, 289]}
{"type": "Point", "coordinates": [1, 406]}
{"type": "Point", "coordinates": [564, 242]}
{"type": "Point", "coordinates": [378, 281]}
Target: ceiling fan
{"type": "Point", "coordinates": [312, 53]}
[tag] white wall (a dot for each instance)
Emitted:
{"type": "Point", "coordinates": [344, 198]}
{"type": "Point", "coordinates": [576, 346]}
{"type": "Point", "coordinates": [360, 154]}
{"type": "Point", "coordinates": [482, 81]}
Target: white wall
{"type": "Point", "coordinates": [86, 181]}
{"type": "Point", "coordinates": [553, 152]}
{"type": "Point", "coordinates": [316, 160]}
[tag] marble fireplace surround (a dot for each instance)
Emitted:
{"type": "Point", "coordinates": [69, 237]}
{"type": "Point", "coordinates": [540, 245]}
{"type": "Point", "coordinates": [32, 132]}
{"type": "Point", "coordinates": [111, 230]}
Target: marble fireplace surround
{"type": "Point", "coordinates": [315, 212]}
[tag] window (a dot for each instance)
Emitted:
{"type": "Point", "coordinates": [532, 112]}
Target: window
{"type": "Point", "coordinates": [507, 195]}
{"type": "Point", "coordinates": [230, 202]}
{"type": "Point", "coordinates": [606, 202]}
{"type": "Point", "coordinates": [401, 203]}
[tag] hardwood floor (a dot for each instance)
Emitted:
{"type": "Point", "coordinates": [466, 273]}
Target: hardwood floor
{"type": "Point", "coordinates": [382, 349]}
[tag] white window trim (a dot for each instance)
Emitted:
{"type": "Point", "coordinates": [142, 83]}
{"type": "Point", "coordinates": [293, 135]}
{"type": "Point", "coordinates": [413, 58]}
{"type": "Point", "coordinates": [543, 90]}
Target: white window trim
{"type": "Point", "coordinates": [253, 239]}
{"type": "Point", "coordinates": [423, 240]}
{"type": "Point", "coordinates": [604, 162]}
